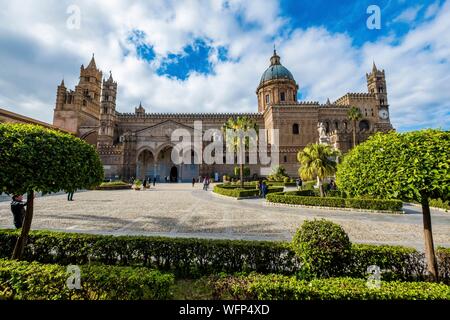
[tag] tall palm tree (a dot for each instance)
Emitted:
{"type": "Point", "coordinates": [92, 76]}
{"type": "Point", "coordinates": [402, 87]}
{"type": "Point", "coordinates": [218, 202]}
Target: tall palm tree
{"type": "Point", "coordinates": [240, 128]}
{"type": "Point", "coordinates": [317, 160]}
{"type": "Point", "coordinates": [354, 114]}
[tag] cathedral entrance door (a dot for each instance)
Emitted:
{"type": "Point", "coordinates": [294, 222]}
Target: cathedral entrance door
{"type": "Point", "coordinates": [174, 174]}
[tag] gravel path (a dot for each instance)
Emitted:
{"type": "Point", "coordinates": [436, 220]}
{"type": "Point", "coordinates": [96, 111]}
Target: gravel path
{"type": "Point", "coordinates": [179, 210]}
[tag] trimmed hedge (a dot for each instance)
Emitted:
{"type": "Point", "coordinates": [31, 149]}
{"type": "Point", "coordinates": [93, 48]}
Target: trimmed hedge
{"type": "Point", "coordinates": [439, 203]}
{"type": "Point", "coordinates": [185, 257]}
{"type": "Point", "coordinates": [236, 192]}
{"type": "Point", "coordinates": [370, 204]}
{"type": "Point", "coordinates": [278, 287]}
{"type": "Point", "coordinates": [36, 281]}
{"type": "Point", "coordinates": [196, 257]}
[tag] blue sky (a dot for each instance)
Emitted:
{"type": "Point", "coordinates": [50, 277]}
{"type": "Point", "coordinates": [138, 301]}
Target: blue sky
{"type": "Point", "coordinates": [208, 56]}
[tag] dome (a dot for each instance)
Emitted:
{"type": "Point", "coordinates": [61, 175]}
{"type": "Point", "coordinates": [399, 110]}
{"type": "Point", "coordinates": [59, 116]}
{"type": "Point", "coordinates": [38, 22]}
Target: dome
{"type": "Point", "coordinates": [276, 70]}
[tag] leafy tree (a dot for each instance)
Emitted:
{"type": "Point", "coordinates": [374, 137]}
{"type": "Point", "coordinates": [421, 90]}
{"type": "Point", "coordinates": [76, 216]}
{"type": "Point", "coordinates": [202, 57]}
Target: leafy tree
{"type": "Point", "coordinates": [278, 174]}
{"type": "Point", "coordinates": [317, 160]}
{"type": "Point", "coordinates": [411, 166]}
{"type": "Point", "coordinates": [237, 171]}
{"type": "Point", "coordinates": [238, 136]}
{"type": "Point", "coordinates": [36, 159]}
{"type": "Point", "coordinates": [354, 114]}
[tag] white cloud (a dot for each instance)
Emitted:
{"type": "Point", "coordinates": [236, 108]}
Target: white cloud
{"type": "Point", "coordinates": [409, 15]}
{"type": "Point", "coordinates": [37, 50]}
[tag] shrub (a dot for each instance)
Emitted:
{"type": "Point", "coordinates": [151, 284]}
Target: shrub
{"type": "Point", "coordinates": [195, 257]}
{"type": "Point", "coordinates": [443, 255]}
{"type": "Point", "coordinates": [237, 192]}
{"type": "Point", "coordinates": [185, 257]}
{"type": "Point", "coordinates": [370, 204]}
{"type": "Point", "coordinates": [308, 185]}
{"type": "Point", "coordinates": [395, 262]}
{"type": "Point", "coordinates": [278, 287]}
{"type": "Point", "coordinates": [439, 203]}
{"type": "Point", "coordinates": [115, 185]}
{"type": "Point", "coordinates": [31, 281]}
{"type": "Point", "coordinates": [303, 193]}
{"type": "Point", "coordinates": [323, 248]}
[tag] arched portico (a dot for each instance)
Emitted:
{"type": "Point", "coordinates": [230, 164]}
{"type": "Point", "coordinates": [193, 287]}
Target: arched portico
{"type": "Point", "coordinates": [158, 164]}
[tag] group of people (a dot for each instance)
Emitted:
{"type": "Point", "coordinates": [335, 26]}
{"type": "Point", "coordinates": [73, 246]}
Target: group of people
{"type": "Point", "coordinates": [149, 181]}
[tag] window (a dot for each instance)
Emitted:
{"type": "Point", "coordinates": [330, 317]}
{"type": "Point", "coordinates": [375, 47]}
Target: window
{"type": "Point", "coordinates": [295, 129]}
{"type": "Point", "coordinates": [282, 96]}
{"type": "Point", "coordinates": [336, 125]}
{"type": "Point", "coordinates": [285, 158]}
{"type": "Point", "coordinates": [105, 110]}
{"type": "Point", "coordinates": [267, 99]}
{"type": "Point", "coordinates": [294, 96]}
{"type": "Point", "coordinates": [84, 102]}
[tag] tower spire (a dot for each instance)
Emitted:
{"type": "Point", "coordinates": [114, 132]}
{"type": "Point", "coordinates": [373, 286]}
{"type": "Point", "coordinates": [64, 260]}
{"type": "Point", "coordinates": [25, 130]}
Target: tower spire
{"type": "Point", "coordinates": [275, 59]}
{"type": "Point", "coordinates": [374, 67]}
{"type": "Point", "coordinates": [92, 63]}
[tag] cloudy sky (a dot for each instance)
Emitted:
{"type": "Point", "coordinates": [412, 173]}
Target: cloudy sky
{"type": "Point", "coordinates": [208, 56]}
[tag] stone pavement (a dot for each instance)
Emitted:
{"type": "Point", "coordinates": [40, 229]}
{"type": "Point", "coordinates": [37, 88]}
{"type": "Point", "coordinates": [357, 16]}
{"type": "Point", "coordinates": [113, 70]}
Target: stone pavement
{"type": "Point", "coordinates": [179, 210]}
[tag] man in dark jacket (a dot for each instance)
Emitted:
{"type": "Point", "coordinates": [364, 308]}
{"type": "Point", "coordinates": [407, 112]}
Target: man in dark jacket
{"type": "Point", "coordinates": [18, 210]}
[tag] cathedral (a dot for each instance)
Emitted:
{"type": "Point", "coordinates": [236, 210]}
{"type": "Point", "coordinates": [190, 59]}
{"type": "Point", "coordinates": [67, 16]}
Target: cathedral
{"type": "Point", "coordinates": [139, 144]}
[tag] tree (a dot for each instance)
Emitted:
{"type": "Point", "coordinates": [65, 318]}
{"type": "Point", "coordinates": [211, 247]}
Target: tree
{"type": "Point", "coordinates": [238, 136]}
{"type": "Point", "coordinates": [237, 171]}
{"type": "Point", "coordinates": [317, 160]}
{"type": "Point", "coordinates": [36, 159]}
{"type": "Point", "coordinates": [354, 114]}
{"type": "Point", "coordinates": [411, 166]}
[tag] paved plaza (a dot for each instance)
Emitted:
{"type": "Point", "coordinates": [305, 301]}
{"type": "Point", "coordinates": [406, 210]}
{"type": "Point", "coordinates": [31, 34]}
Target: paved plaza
{"type": "Point", "coordinates": [179, 210]}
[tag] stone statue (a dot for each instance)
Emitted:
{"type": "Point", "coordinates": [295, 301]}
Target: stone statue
{"type": "Point", "coordinates": [322, 130]}
{"type": "Point", "coordinates": [323, 138]}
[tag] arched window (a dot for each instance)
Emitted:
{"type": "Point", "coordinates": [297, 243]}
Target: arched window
{"type": "Point", "coordinates": [336, 125]}
{"type": "Point", "coordinates": [285, 158]}
{"type": "Point", "coordinates": [364, 125]}
{"type": "Point", "coordinates": [282, 96]}
{"type": "Point", "coordinates": [295, 128]}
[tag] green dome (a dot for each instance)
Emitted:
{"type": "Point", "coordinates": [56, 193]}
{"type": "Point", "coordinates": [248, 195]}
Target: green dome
{"type": "Point", "coordinates": [276, 70]}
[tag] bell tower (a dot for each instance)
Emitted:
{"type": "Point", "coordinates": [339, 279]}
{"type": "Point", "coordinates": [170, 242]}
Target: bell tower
{"type": "Point", "coordinates": [376, 84]}
{"type": "Point", "coordinates": [108, 111]}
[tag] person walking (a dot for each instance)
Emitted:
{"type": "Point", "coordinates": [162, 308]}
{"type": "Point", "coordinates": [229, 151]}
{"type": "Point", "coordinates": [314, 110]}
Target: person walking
{"type": "Point", "coordinates": [70, 195]}
{"type": "Point", "coordinates": [18, 210]}
{"type": "Point", "coordinates": [264, 189]}
{"type": "Point", "coordinates": [205, 184]}
{"type": "Point", "coordinates": [154, 181]}
{"type": "Point", "coordinates": [193, 182]}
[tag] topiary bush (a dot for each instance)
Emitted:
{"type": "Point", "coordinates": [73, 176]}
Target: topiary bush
{"type": "Point", "coordinates": [323, 247]}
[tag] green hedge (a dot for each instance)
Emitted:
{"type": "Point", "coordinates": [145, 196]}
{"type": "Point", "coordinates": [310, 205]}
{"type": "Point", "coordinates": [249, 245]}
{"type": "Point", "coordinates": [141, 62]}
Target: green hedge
{"type": "Point", "coordinates": [443, 255]}
{"type": "Point", "coordinates": [281, 184]}
{"type": "Point", "coordinates": [236, 192]}
{"type": "Point", "coordinates": [36, 281]}
{"type": "Point", "coordinates": [196, 257]}
{"type": "Point", "coordinates": [371, 204]}
{"type": "Point", "coordinates": [278, 287]}
{"type": "Point", "coordinates": [185, 257]}
{"type": "Point", "coordinates": [439, 203]}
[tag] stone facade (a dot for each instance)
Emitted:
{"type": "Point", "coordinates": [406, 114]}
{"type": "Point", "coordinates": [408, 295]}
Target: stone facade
{"type": "Point", "coordinates": [139, 144]}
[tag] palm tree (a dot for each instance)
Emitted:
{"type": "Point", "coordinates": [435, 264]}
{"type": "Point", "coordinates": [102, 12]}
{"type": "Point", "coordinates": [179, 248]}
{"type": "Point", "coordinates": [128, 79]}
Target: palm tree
{"type": "Point", "coordinates": [240, 128]}
{"type": "Point", "coordinates": [317, 160]}
{"type": "Point", "coordinates": [354, 114]}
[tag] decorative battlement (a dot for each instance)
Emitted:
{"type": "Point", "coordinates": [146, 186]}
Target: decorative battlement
{"type": "Point", "coordinates": [344, 100]}
{"type": "Point", "coordinates": [188, 115]}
